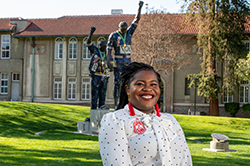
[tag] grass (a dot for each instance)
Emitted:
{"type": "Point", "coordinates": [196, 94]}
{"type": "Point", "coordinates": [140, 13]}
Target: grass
{"type": "Point", "coordinates": [58, 146]}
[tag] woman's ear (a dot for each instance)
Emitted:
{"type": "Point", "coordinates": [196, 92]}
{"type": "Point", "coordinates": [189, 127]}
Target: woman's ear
{"type": "Point", "coordinates": [127, 89]}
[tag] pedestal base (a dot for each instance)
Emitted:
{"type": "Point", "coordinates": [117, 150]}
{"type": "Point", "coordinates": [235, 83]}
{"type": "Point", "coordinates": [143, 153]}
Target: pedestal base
{"type": "Point", "coordinates": [219, 150]}
{"type": "Point", "coordinates": [216, 146]}
{"type": "Point", "coordinates": [92, 127]}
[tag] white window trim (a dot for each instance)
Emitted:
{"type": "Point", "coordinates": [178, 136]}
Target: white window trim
{"type": "Point", "coordinates": [13, 77]}
{"type": "Point", "coordinates": [72, 42]}
{"type": "Point", "coordinates": [57, 51]}
{"type": "Point", "coordinates": [5, 50]}
{"type": "Point", "coordinates": [86, 84]}
{"type": "Point", "coordinates": [247, 41]}
{"type": "Point", "coordinates": [58, 83]}
{"type": "Point", "coordinates": [72, 83]}
{"type": "Point", "coordinates": [227, 97]}
{"type": "Point", "coordinates": [1, 83]}
{"type": "Point", "coordinates": [244, 96]}
{"type": "Point", "coordinates": [87, 52]}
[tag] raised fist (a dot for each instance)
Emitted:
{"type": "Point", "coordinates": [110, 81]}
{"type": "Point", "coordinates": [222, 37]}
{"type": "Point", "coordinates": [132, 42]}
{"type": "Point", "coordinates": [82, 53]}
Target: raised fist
{"type": "Point", "coordinates": [92, 30]}
{"type": "Point", "coordinates": [141, 3]}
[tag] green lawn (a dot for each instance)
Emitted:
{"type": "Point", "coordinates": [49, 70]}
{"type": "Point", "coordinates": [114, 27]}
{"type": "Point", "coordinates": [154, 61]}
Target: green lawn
{"type": "Point", "coordinates": [59, 146]}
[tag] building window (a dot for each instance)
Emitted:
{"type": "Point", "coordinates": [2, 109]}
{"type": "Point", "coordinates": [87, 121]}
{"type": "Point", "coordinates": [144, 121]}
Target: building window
{"type": "Point", "coordinates": [71, 88]}
{"type": "Point", "coordinates": [194, 48]}
{"type": "Point", "coordinates": [72, 48]}
{"type": "Point", "coordinates": [59, 48]}
{"type": "Point", "coordinates": [86, 89]}
{"type": "Point", "coordinates": [99, 41]}
{"type": "Point", "coordinates": [5, 46]}
{"type": "Point", "coordinates": [247, 44]}
{"type": "Point", "coordinates": [58, 88]}
{"type": "Point", "coordinates": [244, 92]}
{"type": "Point", "coordinates": [226, 96]}
{"type": "Point", "coordinates": [4, 83]}
{"type": "Point", "coordinates": [15, 77]}
{"type": "Point", "coordinates": [187, 89]}
{"type": "Point", "coordinates": [85, 51]}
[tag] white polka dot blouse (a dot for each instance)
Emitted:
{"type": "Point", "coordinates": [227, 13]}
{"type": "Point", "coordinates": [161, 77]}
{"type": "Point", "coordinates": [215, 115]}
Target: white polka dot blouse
{"type": "Point", "coordinates": [142, 140]}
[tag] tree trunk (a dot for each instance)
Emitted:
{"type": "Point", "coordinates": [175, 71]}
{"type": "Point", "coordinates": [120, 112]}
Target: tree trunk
{"type": "Point", "coordinates": [213, 101]}
{"type": "Point", "coordinates": [214, 107]}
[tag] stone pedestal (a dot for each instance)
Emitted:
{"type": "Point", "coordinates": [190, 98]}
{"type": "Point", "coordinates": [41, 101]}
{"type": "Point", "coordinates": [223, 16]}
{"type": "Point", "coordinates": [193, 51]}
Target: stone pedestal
{"type": "Point", "coordinates": [92, 126]}
{"type": "Point", "coordinates": [83, 127]}
{"type": "Point", "coordinates": [219, 143]}
{"type": "Point", "coordinates": [95, 119]}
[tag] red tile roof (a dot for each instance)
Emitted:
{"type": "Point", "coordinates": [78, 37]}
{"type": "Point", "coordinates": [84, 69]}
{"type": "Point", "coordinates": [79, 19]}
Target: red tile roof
{"type": "Point", "coordinates": [74, 25]}
{"type": "Point", "coordinates": [80, 25]}
{"type": "Point", "coordinates": [5, 24]}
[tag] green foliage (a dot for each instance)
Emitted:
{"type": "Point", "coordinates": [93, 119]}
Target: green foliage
{"type": "Point", "coordinates": [246, 107]}
{"type": "Point", "coordinates": [221, 26]}
{"type": "Point", "coordinates": [232, 108]}
{"type": "Point", "coordinates": [206, 85]}
{"type": "Point", "coordinates": [243, 68]}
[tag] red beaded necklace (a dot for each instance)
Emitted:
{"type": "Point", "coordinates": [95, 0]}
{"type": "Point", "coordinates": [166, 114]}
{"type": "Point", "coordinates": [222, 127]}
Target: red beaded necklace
{"type": "Point", "coordinates": [132, 111]}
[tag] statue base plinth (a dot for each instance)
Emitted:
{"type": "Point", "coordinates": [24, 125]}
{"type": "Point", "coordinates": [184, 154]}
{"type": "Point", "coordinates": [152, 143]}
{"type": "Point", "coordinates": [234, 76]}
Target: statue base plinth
{"type": "Point", "coordinates": [92, 127]}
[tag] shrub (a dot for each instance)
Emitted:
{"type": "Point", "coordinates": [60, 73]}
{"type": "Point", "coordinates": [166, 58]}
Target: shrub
{"type": "Point", "coordinates": [232, 108]}
{"type": "Point", "coordinates": [246, 107]}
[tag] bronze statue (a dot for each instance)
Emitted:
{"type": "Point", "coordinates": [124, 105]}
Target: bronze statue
{"type": "Point", "coordinates": [120, 40]}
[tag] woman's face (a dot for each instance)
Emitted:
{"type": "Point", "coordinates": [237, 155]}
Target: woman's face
{"type": "Point", "coordinates": [144, 91]}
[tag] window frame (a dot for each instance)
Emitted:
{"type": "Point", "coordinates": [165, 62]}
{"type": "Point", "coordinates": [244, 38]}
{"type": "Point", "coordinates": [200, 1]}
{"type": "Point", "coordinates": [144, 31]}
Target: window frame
{"type": "Point", "coordinates": [73, 43]}
{"type": "Point", "coordinates": [86, 55]}
{"type": "Point", "coordinates": [5, 79]}
{"type": "Point", "coordinates": [225, 96]}
{"type": "Point", "coordinates": [85, 84]}
{"type": "Point", "coordinates": [58, 44]}
{"type": "Point", "coordinates": [186, 88]}
{"type": "Point", "coordinates": [245, 85]}
{"type": "Point", "coordinates": [71, 86]}
{"type": "Point", "coordinates": [15, 80]}
{"type": "Point", "coordinates": [58, 83]}
{"type": "Point", "coordinates": [2, 42]}
{"type": "Point", "coordinates": [247, 44]}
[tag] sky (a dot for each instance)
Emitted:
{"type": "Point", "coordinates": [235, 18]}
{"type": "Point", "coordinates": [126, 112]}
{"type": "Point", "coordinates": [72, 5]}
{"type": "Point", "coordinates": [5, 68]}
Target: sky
{"type": "Point", "coordinates": [58, 8]}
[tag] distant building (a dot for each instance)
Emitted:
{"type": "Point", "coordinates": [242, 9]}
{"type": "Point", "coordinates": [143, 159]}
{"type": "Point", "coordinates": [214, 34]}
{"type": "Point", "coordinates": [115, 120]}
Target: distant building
{"type": "Point", "coordinates": [47, 60]}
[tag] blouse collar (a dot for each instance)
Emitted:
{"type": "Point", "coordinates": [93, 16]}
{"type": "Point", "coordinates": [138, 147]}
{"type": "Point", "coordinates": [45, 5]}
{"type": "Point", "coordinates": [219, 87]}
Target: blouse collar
{"type": "Point", "coordinates": [133, 111]}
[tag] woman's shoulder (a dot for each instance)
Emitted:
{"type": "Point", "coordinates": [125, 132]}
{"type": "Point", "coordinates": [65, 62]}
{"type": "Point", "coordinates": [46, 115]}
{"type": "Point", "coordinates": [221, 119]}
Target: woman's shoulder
{"type": "Point", "coordinates": [115, 119]}
{"type": "Point", "coordinates": [118, 115]}
{"type": "Point", "coordinates": [167, 115]}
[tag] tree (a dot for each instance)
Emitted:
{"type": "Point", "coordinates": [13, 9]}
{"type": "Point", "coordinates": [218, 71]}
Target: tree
{"type": "Point", "coordinates": [243, 68]}
{"type": "Point", "coordinates": [220, 25]}
{"type": "Point", "coordinates": [159, 43]}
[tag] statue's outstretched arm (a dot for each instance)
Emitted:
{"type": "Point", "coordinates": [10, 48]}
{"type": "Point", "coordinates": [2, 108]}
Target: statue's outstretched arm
{"type": "Point", "coordinates": [138, 15]}
{"type": "Point", "coordinates": [92, 30]}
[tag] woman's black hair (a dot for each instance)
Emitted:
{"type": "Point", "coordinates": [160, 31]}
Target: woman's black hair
{"type": "Point", "coordinates": [127, 75]}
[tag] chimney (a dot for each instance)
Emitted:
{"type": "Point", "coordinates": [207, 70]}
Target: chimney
{"type": "Point", "coordinates": [116, 11]}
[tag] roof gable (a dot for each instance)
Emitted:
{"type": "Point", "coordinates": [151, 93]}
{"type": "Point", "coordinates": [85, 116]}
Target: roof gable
{"type": "Point", "coordinates": [5, 24]}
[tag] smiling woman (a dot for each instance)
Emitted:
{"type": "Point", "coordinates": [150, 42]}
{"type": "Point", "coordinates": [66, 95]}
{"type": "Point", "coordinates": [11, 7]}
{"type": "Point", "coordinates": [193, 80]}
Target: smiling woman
{"type": "Point", "coordinates": [144, 91]}
{"type": "Point", "coordinates": [137, 134]}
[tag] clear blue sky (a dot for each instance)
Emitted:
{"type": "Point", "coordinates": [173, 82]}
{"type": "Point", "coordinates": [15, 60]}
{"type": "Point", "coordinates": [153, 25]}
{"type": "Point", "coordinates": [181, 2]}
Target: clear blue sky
{"type": "Point", "coordinates": [59, 8]}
